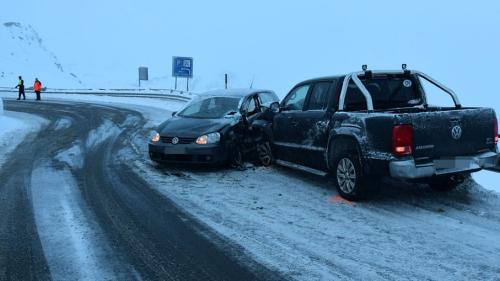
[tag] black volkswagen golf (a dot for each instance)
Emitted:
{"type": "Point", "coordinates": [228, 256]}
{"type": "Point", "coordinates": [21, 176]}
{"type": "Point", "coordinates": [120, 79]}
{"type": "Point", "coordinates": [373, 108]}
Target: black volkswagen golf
{"type": "Point", "coordinates": [218, 127]}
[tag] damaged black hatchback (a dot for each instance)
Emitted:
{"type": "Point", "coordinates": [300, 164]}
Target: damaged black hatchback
{"type": "Point", "coordinates": [218, 127]}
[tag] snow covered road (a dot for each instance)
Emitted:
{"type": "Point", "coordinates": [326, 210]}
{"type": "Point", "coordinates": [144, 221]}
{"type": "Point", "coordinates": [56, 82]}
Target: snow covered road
{"type": "Point", "coordinates": [122, 217]}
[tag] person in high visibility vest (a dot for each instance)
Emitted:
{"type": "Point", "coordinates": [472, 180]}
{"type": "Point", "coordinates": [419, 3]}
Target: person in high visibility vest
{"type": "Point", "coordinates": [37, 87]}
{"type": "Point", "coordinates": [20, 85]}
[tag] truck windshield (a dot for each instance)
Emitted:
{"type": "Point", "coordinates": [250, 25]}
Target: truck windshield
{"type": "Point", "coordinates": [386, 91]}
{"type": "Point", "coordinates": [211, 108]}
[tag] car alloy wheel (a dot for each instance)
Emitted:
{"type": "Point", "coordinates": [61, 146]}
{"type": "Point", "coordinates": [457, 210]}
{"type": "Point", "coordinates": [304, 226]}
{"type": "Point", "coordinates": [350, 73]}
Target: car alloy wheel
{"type": "Point", "coordinates": [346, 175]}
{"type": "Point", "coordinates": [265, 154]}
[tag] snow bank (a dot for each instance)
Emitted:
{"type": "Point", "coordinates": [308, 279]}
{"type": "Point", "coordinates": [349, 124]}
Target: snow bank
{"type": "Point", "coordinates": [14, 127]}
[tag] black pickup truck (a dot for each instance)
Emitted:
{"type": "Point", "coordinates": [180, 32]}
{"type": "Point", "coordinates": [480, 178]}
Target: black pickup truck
{"type": "Point", "coordinates": [366, 125]}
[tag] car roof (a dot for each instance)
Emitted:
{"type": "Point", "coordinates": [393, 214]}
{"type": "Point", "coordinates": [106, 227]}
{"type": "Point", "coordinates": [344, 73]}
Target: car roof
{"type": "Point", "coordinates": [234, 92]}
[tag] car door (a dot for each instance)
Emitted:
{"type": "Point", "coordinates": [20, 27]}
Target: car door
{"type": "Point", "coordinates": [285, 125]}
{"type": "Point", "coordinates": [252, 113]}
{"type": "Point", "coordinates": [314, 123]}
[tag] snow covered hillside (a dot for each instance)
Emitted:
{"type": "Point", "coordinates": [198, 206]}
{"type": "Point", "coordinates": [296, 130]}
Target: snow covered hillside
{"type": "Point", "coordinates": [23, 53]}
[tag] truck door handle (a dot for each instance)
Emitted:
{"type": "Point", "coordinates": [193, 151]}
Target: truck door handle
{"type": "Point", "coordinates": [294, 123]}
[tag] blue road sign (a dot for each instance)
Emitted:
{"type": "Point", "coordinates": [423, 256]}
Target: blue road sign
{"type": "Point", "coordinates": [182, 67]}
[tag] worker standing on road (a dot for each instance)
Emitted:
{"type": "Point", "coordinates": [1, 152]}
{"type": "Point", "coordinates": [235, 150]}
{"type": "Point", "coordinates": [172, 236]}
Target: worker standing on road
{"type": "Point", "coordinates": [37, 87]}
{"type": "Point", "coordinates": [20, 85]}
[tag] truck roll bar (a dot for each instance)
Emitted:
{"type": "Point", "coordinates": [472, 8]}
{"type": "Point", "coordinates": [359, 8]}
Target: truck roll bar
{"type": "Point", "coordinates": [369, 101]}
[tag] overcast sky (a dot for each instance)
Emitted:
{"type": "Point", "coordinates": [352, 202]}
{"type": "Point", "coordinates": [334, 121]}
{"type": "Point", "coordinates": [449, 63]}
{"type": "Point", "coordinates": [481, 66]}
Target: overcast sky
{"type": "Point", "coordinates": [278, 43]}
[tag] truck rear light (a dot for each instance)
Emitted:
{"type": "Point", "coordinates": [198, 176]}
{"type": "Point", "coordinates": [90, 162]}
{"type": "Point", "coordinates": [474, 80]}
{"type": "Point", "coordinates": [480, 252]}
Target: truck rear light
{"type": "Point", "coordinates": [402, 140]}
{"type": "Point", "coordinates": [495, 130]}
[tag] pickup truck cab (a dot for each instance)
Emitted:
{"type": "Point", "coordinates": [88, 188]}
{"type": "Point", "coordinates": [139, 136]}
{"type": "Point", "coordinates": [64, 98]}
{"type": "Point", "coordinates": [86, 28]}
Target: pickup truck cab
{"type": "Point", "coordinates": [366, 125]}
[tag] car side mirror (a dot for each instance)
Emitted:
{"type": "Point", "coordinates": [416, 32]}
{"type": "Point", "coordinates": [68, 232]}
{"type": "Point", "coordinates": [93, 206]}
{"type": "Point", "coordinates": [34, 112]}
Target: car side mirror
{"type": "Point", "coordinates": [173, 113]}
{"type": "Point", "coordinates": [275, 106]}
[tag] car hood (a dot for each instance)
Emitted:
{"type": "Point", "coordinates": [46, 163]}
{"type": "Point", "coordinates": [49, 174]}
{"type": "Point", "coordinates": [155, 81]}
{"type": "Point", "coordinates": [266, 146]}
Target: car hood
{"type": "Point", "coordinates": [192, 127]}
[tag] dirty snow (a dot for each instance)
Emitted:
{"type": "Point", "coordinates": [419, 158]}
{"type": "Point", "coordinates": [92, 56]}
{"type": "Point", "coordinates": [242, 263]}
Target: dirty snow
{"type": "Point", "coordinates": [63, 123]}
{"type": "Point", "coordinates": [99, 135]}
{"type": "Point", "coordinates": [72, 156]}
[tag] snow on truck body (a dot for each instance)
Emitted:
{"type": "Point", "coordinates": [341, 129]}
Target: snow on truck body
{"type": "Point", "coordinates": [366, 125]}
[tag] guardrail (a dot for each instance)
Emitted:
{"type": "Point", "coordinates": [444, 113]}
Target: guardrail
{"type": "Point", "coordinates": [143, 93]}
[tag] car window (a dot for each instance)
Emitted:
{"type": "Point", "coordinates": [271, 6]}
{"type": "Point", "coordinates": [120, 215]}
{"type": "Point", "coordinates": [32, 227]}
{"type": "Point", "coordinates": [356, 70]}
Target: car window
{"type": "Point", "coordinates": [251, 106]}
{"type": "Point", "coordinates": [319, 96]}
{"type": "Point", "coordinates": [213, 107]}
{"type": "Point", "coordinates": [266, 98]}
{"type": "Point", "coordinates": [295, 100]}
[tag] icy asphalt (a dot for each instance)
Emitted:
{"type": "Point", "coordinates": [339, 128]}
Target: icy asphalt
{"type": "Point", "coordinates": [70, 210]}
{"type": "Point", "coordinates": [81, 201]}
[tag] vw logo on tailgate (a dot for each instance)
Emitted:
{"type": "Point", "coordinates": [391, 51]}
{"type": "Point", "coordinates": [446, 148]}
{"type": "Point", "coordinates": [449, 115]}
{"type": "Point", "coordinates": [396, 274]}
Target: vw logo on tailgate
{"type": "Point", "coordinates": [175, 140]}
{"type": "Point", "coordinates": [456, 132]}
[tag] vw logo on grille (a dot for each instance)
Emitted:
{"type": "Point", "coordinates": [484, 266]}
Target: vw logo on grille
{"type": "Point", "coordinates": [175, 140]}
{"type": "Point", "coordinates": [456, 132]}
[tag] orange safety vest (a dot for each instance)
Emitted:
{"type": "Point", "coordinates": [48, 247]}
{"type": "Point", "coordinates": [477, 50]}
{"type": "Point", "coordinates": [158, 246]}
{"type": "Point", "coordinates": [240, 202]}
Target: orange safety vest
{"type": "Point", "coordinates": [38, 86]}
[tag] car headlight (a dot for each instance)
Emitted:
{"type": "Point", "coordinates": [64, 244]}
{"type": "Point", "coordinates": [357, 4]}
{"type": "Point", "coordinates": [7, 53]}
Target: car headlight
{"type": "Point", "coordinates": [208, 139]}
{"type": "Point", "coordinates": [155, 137]}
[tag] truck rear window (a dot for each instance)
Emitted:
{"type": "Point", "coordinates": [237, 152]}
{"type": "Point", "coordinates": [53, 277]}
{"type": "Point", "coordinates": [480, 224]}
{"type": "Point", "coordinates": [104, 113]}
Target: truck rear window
{"type": "Point", "coordinates": [386, 92]}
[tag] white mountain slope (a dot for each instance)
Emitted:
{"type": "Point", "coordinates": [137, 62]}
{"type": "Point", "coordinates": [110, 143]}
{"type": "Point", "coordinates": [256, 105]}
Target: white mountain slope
{"type": "Point", "coordinates": [22, 52]}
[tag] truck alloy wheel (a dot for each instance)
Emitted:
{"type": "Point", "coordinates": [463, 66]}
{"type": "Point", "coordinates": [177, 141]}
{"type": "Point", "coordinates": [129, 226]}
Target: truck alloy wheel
{"type": "Point", "coordinates": [346, 175]}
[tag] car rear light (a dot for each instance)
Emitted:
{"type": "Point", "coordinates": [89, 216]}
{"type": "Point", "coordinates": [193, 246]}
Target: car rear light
{"type": "Point", "coordinates": [495, 130]}
{"type": "Point", "coordinates": [402, 140]}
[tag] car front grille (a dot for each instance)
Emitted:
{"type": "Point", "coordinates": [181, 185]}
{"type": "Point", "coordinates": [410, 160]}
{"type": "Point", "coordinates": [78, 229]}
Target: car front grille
{"type": "Point", "coordinates": [181, 140]}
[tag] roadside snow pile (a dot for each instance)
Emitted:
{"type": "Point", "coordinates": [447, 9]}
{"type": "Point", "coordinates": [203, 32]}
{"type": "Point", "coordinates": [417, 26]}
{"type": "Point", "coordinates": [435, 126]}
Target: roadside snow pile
{"type": "Point", "coordinates": [14, 127]}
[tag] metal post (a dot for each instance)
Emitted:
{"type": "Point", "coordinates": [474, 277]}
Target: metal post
{"type": "Point", "coordinates": [176, 82]}
{"type": "Point", "coordinates": [225, 81]}
{"type": "Point", "coordinates": [187, 84]}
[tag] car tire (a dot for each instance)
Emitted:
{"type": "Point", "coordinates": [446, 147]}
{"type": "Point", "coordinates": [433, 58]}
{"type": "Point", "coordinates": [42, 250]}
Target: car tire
{"type": "Point", "coordinates": [236, 158]}
{"type": "Point", "coordinates": [447, 182]}
{"type": "Point", "coordinates": [351, 182]}
{"type": "Point", "coordinates": [265, 154]}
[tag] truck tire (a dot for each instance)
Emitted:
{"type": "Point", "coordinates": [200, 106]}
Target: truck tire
{"type": "Point", "coordinates": [447, 182]}
{"type": "Point", "coordinates": [351, 182]}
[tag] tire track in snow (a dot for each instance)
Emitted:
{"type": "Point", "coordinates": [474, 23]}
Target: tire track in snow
{"type": "Point", "coordinates": [144, 230]}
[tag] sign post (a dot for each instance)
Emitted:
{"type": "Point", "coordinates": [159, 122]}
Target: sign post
{"type": "Point", "coordinates": [143, 74]}
{"type": "Point", "coordinates": [182, 67]}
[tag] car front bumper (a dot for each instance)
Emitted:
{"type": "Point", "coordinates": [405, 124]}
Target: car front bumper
{"type": "Point", "coordinates": [407, 169]}
{"type": "Point", "coordinates": [187, 153]}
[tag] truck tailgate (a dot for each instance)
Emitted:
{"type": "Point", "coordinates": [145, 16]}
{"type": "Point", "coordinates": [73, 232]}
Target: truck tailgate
{"type": "Point", "coordinates": [449, 133]}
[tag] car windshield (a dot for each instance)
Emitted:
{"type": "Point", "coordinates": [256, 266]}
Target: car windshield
{"type": "Point", "coordinates": [211, 108]}
{"type": "Point", "coordinates": [386, 92]}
